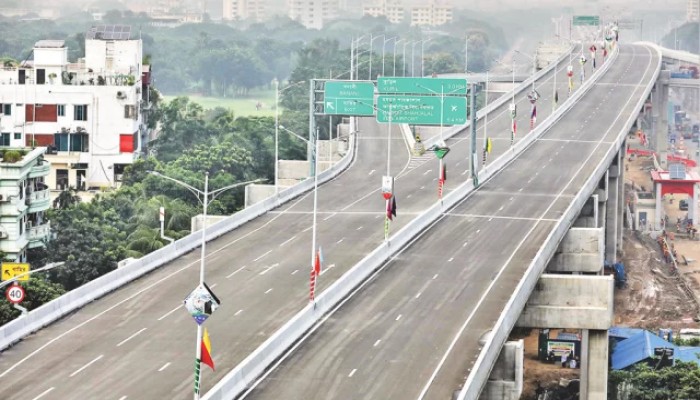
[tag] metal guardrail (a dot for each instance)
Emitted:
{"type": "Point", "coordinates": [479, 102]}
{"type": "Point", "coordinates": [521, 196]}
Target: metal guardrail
{"type": "Point", "coordinates": [36, 319]}
{"type": "Point", "coordinates": [245, 374]}
{"type": "Point", "coordinates": [482, 367]}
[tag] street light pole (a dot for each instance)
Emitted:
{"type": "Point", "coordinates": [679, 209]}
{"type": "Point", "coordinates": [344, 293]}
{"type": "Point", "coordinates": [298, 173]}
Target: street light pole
{"type": "Point", "coordinates": [404, 58]}
{"type": "Point", "coordinates": [384, 50]}
{"type": "Point", "coordinates": [277, 133]}
{"type": "Point", "coordinates": [413, 58]}
{"type": "Point", "coordinates": [422, 56]}
{"type": "Point", "coordinates": [395, 43]}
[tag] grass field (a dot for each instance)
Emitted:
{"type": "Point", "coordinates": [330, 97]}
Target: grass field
{"type": "Point", "coordinates": [240, 106]}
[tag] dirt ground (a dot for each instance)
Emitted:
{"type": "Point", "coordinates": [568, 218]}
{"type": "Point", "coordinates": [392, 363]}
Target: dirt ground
{"type": "Point", "coordinates": [654, 296]}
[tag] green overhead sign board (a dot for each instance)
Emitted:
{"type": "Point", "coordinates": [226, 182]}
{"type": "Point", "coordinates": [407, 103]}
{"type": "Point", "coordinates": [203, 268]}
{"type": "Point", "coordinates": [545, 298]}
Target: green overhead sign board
{"type": "Point", "coordinates": [591, 20]}
{"type": "Point", "coordinates": [433, 86]}
{"type": "Point", "coordinates": [348, 98]}
{"type": "Point", "coordinates": [422, 110]}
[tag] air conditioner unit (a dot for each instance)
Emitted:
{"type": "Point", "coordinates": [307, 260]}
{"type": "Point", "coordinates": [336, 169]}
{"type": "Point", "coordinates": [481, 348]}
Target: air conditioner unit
{"type": "Point", "coordinates": [79, 129]}
{"type": "Point", "coordinates": [65, 129]}
{"type": "Point", "coordinates": [121, 95]}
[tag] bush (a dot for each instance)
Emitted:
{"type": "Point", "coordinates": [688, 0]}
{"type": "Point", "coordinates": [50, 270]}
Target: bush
{"type": "Point", "coordinates": [11, 156]}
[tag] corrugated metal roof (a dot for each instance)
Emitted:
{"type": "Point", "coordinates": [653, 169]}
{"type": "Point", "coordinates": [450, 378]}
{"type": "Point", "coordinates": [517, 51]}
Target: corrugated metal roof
{"type": "Point", "coordinates": [50, 44]}
{"type": "Point", "coordinates": [623, 332]}
{"type": "Point", "coordinates": [641, 346]}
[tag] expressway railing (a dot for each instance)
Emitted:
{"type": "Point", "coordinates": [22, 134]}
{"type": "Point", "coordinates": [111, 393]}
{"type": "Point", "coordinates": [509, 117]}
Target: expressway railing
{"type": "Point", "coordinates": [36, 319]}
{"type": "Point", "coordinates": [292, 333]}
{"type": "Point", "coordinates": [489, 353]}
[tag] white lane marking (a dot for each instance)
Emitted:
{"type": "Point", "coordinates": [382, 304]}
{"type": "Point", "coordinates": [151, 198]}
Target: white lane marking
{"type": "Point", "coordinates": [478, 230]}
{"type": "Point", "coordinates": [237, 312]}
{"type": "Point", "coordinates": [490, 219]}
{"type": "Point", "coordinates": [262, 256]}
{"type": "Point", "coordinates": [340, 241]}
{"type": "Point", "coordinates": [266, 270]}
{"type": "Point", "coordinates": [77, 371]}
{"type": "Point", "coordinates": [511, 199]}
{"type": "Point", "coordinates": [213, 286]}
{"type": "Point", "coordinates": [359, 229]}
{"type": "Point", "coordinates": [426, 172]}
{"type": "Point", "coordinates": [122, 398]}
{"type": "Point", "coordinates": [352, 373]}
{"type": "Point", "coordinates": [372, 171]}
{"type": "Point", "coordinates": [170, 312]}
{"type": "Point", "coordinates": [268, 290]}
{"type": "Point", "coordinates": [409, 196]}
{"type": "Point", "coordinates": [288, 240]}
{"type": "Point", "coordinates": [295, 271]}
{"type": "Point", "coordinates": [235, 272]}
{"type": "Point", "coordinates": [521, 189]}
{"type": "Point", "coordinates": [307, 229]}
{"type": "Point", "coordinates": [450, 260]}
{"type": "Point", "coordinates": [517, 248]}
{"type": "Point", "coordinates": [330, 216]}
{"type": "Point", "coordinates": [377, 343]}
{"type": "Point", "coordinates": [45, 392]}
{"type": "Point", "coordinates": [435, 276]}
{"type": "Point", "coordinates": [418, 295]}
{"type": "Point", "coordinates": [161, 369]}
{"type": "Point", "coordinates": [399, 317]}
{"type": "Point", "coordinates": [500, 217]}
{"type": "Point", "coordinates": [131, 337]}
{"type": "Point", "coordinates": [377, 216]}
{"type": "Point", "coordinates": [465, 172]}
{"type": "Point", "coordinates": [465, 244]}
{"type": "Point", "coordinates": [422, 187]}
{"type": "Point", "coordinates": [329, 268]}
{"type": "Point", "coordinates": [500, 209]}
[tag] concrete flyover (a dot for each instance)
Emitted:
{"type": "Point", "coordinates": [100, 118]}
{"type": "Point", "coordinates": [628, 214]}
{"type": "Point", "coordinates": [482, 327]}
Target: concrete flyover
{"type": "Point", "coordinates": [422, 324]}
{"type": "Point", "coordinates": [137, 342]}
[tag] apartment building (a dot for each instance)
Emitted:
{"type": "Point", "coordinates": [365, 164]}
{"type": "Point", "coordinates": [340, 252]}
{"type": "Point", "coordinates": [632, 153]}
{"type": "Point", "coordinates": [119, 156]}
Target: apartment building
{"type": "Point", "coordinates": [393, 10]}
{"type": "Point", "coordinates": [238, 10]}
{"type": "Point", "coordinates": [432, 13]}
{"type": "Point", "coordinates": [90, 115]}
{"type": "Point", "coordinates": [313, 14]}
{"type": "Point", "coordinates": [24, 197]}
{"type": "Point", "coordinates": [693, 10]}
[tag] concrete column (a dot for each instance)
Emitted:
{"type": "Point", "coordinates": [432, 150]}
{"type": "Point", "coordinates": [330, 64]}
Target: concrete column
{"type": "Point", "coordinates": [693, 205]}
{"type": "Point", "coordinates": [594, 365]}
{"type": "Point", "coordinates": [659, 207]}
{"type": "Point", "coordinates": [621, 200]}
{"type": "Point", "coordinates": [660, 112]}
{"type": "Point", "coordinates": [612, 211]}
{"type": "Point", "coordinates": [602, 193]}
{"type": "Point", "coordinates": [581, 250]}
{"type": "Point", "coordinates": [588, 217]}
{"type": "Point", "coordinates": [506, 379]}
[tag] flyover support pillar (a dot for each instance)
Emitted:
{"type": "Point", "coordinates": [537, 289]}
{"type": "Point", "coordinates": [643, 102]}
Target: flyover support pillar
{"type": "Point", "coordinates": [594, 365]}
{"type": "Point", "coordinates": [660, 116]}
{"type": "Point", "coordinates": [612, 211]}
{"type": "Point", "coordinates": [621, 200]}
{"type": "Point", "coordinates": [506, 379]}
{"type": "Point", "coordinates": [588, 218]}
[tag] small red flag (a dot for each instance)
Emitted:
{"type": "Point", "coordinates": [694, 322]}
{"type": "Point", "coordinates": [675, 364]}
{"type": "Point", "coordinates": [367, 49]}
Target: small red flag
{"type": "Point", "coordinates": [317, 263]}
{"type": "Point", "coordinates": [388, 210]}
{"type": "Point", "coordinates": [206, 350]}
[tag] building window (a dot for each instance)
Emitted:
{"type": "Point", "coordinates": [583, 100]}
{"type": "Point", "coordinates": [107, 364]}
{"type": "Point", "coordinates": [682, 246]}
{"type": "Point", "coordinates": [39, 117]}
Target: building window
{"type": "Point", "coordinates": [18, 135]}
{"type": "Point", "coordinates": [7, 109]}
{"type": "Point", "coordinates": [80, 112]}
{"type": "Point", "coordinates": [61, 110]}
{"type": "Point", "coordinates": [130, 111]}
{"type": "Point", "coordinates": [71, 142]}
{"type": "Point", "coordinates": [5, 139]}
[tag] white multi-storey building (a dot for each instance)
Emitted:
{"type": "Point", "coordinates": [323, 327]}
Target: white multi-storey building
{"type": "Point", "coordinates": [432, 13]}
{"type": "Point", "coordinates": [23, 199]}
{"type": "Point", "coordinates": [89, 114]}
{"type": "Point", "coordinates": [693, 10]}
{"type": "Point", "coordinates": [391, 9]}
{"type": "Point", "coordinates": [237, 10]}
{"type": "Point", "coordinates": [313, 14]}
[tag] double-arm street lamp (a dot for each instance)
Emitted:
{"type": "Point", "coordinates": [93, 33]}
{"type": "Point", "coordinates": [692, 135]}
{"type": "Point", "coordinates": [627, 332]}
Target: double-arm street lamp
{"type": "Point", "coordinates": [204, 198]}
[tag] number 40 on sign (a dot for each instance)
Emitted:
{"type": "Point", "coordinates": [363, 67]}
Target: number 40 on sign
{"type": "Point", "coordinates": [15, 294]}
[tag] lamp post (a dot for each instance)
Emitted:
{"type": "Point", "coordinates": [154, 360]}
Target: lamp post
{"type": "Point", "coordinates": [413, 57]}
{"type": "Point", "coordinates": [395, 43]}
{"type": "Point", "coordinates": [371, 44]}
{"type": "Point", "coordinates": [384, 50]}
{"type": "Point", "coordinates": [404, 57]}
{"type": "Point", "coordinates": [277, 133]}
{"type": "Point", "coordinates": [512, 107]}
{"type": "Point", "coordinates": [422, 57]}
{"type": "Point", "coordinates": [534, 64]}
{"type": "Point", "coordinates": [205, 205]}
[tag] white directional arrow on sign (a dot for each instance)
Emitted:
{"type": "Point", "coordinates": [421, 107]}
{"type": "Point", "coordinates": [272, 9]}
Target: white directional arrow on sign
{"type": "Point", "coordinates": [329, 105]}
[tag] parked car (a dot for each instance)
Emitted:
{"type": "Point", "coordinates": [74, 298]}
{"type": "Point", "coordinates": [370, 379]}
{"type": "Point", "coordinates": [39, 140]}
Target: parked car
{"type": "Point", "coordinates": [683, 205]}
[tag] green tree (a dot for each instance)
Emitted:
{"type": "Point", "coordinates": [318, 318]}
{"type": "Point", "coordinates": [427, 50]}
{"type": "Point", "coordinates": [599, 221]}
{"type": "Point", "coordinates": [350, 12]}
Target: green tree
{"type": "Point", "coordinates": [37, 292]}
{"type": "Point", "coordinates": [678, 382]}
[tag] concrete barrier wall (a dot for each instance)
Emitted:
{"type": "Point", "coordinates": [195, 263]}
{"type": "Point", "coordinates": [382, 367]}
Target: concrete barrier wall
{"type": "Point", "coordinates": [252, 367]}
{"type": "Point", "coordinates": [487, 357]}
{"type": "Point", "coordinates": [79, 297]}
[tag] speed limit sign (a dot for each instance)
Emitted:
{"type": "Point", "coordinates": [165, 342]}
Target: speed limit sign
{"type": "Point", "coordinates": [15, 294]}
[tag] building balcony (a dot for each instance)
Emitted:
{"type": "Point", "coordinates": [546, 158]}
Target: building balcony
{"type": "Point", "coordinates": [40, 170]}
{"type": "Point", "coordinates": [38, 235]}
{"type": "Point", "coordinates": [39, 201]}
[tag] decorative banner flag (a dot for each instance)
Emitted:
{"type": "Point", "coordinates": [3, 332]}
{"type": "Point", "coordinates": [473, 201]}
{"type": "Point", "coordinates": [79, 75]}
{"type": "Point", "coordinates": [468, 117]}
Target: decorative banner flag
{"type": "Point", "coordinates": [515, 127]}
{"type": "Point", "coordinates": [318, 262]}
{"type": "Point", "coordinates": [312, 286]}
{"type": "Point", "coordinates": [489, 145]}
{"type": "Point", "coordinates": [393, 206]}
{"type": "Point", "coordinates": [594, 62]}
{"type": "Point", "coordinates": [206, 350]}
{"type": "Point", "coordinates": [388, 210]}
{"type": "Point", "coordinates": [571, 85]}
{"type": "Point", "coordinates": [443, 175]}
{"type": "Point", "coordinates": [556, 98]}
{"type": "Point", "coordinates": [533, 116]}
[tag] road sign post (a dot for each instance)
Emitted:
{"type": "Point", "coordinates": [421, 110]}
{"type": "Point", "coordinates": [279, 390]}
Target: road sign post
{"type": "Point", "coordinates": [15, 294]}
{"type": "Point", "coordinates": [11, 270]}
{"type": "Point", "coordinates": [422, 110]}
{"type": "Point", "coordinates": [348, 98]}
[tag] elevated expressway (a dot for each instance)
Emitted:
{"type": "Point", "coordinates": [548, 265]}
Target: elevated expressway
{"type": "Point", "coordinates": [138, 342]}
{"type": "Point", "coordinates": [414, 330]}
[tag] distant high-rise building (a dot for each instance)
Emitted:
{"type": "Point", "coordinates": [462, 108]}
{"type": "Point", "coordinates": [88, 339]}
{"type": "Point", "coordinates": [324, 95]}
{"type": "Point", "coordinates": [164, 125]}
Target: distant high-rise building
{"type": "Point", "coordinates": [236, 10]}
{"type": "Point", "coordinates": [693, 10]}
{"type": "Point", "coordinates": [313, 14]}
{"type": "Point", "coordinates": [391, 9]}
{"type": "Point", "coordinates": [434, 13]}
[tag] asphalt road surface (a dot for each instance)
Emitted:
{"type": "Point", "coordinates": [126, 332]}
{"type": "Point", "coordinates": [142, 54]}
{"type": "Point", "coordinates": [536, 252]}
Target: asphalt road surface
{"type": "Point", "coordinates": [139, 343]}
{"type": "Point", "coordinates": [413, 331]}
